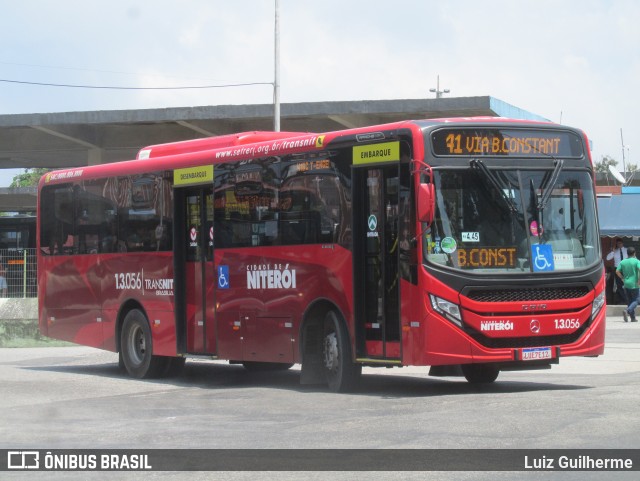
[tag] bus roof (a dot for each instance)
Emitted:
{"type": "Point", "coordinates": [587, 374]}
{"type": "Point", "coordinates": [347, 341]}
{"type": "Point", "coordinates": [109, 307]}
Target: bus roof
{"type": "Point", "coordinates": [210, 143]}
{"type": "Point", "coordinates": [246, 145]}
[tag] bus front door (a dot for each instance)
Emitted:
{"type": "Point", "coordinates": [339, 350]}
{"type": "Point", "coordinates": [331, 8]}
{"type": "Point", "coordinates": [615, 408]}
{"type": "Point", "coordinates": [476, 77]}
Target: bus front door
{"type": "Point", "coordinates": [375, 254]}
{"type": "Point", "coordinates": [194, 270]}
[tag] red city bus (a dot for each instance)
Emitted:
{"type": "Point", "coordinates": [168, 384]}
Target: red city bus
{"type": "Point", "coordinates": [468, 245]}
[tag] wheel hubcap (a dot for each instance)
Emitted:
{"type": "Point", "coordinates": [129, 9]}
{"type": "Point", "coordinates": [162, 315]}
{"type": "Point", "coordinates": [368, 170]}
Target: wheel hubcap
{"type": "Point", "coordinates": [138, 345]}
{"type": "Point", "coordinates": [331, 351]}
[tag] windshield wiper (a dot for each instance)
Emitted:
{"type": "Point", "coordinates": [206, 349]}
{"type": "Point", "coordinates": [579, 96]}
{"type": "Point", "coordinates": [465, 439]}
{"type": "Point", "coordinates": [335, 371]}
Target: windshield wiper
{"type": "Point", "coordinates": [496, 181]}
{"type": "Point", "coordinates": [547, 188]}
{"type": "Point", "coordinates": [548, 182]}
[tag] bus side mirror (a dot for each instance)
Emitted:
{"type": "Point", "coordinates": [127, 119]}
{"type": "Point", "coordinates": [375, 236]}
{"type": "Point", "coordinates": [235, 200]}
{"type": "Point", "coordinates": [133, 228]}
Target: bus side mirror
{"type": "Point", "coordinates": [426, 199]}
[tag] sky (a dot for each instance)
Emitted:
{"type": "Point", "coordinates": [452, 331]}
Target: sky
{"type": "Point", "coordinates": [576, 62]}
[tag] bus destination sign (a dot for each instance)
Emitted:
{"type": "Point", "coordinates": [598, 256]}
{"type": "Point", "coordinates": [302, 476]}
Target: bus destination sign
{"type": "Point", "coordinates": [506, 142]}
{"type": "Point", "coordinates": [488, 257]}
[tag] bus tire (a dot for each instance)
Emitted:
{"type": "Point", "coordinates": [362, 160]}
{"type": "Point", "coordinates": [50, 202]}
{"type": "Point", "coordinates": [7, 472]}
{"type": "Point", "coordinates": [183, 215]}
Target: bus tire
{"type": "Point", "coordinates": [121, 365]}
{"type": "Point", "coordinates": [342, 373]}
{"type": "Point", "coordinates": [136, 346]}
{"type": "Point", "coordinates": [480, 373]}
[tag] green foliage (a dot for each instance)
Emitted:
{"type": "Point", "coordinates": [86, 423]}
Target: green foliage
{"type": "Point", "coordinates": [603, 165]}
{"type": "Point", "coordinates": [29, 178]}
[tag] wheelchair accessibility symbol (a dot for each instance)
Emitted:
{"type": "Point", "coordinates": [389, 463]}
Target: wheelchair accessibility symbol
{"type": "Point", "coordinates": [223, 277]}
{"type": "Point", "coordinates": [542, 257]}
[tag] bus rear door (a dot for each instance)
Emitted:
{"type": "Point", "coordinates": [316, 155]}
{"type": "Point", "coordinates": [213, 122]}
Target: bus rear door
{"type": "Point", "coordinates": [194, 270]}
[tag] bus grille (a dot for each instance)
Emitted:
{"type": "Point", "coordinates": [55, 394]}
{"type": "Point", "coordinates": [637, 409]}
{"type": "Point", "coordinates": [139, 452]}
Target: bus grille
{"type": "Point", "coordinates": [528, 294]}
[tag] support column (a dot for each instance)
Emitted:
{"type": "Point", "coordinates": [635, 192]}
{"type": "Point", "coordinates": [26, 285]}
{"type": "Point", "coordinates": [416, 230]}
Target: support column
{"type": "Point", "coordinates": [95, 156]}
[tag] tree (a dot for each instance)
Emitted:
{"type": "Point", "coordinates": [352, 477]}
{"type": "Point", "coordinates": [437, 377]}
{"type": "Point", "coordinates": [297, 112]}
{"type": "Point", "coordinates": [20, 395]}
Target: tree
{"type": "Point", "coordinates": [29, 178]}
{"type": "Point", "coordinates": [603, 165]}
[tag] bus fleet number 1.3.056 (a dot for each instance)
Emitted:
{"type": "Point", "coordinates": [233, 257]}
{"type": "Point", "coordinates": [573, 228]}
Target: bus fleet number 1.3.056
{"type": "Point", "coordinates": [567, 323]}
{"type": "Point", "coordinates": [128, 280]}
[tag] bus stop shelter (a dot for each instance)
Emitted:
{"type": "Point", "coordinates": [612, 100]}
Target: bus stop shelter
{"type": "Point", "coordinates": [618, 215]}
{"type": "Point", "coordinates": [62, 140]}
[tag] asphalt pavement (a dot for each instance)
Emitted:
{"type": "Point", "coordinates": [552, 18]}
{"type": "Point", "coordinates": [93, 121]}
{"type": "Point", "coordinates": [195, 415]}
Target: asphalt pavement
{"type": "Point", "coordinates": [76, 397]}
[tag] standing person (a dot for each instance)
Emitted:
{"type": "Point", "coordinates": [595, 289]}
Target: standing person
{"type": "Point", "coordinates": [628, 271]}
{"type": "Point", "coordinates": [3, 279]}
{"type": "Point", "coordinates": [618, 255]}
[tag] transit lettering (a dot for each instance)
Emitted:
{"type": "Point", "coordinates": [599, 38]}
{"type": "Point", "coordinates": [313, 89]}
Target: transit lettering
{"type": "Point", "coordinates": [193, 175]}
{"type": "Point", "coordinates": [496, 326]}
{"type": "Point", "coordinates": [271, 278]}
{"type": "Point", "coordinates": [372, 154]}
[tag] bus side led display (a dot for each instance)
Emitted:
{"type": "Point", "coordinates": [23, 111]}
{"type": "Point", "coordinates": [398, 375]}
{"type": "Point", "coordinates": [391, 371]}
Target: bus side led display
{"type": "Point", "coordinates": [309, 165]}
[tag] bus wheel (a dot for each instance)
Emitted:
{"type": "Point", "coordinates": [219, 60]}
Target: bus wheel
{"type": "Point", "coordinates": [137, 347]}
{"type": "Point", "coordinates": [342, 374]}
{"type": "Point", "coordinates": [480, 373]}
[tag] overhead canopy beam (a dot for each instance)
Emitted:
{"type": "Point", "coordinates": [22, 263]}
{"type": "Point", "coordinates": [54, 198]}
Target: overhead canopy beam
{"type": "Point", "coordinates": [191, 126]}
{"type": "Point", "coordinates": [75, 140]}
{"type": "Point", "coordinates": [339, 119]}
{"type": "Point", "coordinates": [65, 138]}
{"type": "Point", "coordinates": [18, 199]}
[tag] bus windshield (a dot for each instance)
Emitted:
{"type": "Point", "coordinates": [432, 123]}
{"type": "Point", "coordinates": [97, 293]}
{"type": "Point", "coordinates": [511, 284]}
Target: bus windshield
{"type": "Point", "coordinates": [511, 220]}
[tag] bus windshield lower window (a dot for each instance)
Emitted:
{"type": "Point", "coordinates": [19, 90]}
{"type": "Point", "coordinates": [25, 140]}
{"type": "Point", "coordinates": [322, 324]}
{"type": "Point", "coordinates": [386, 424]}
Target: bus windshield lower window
{"type": "Point", "coordinates": [502, 226]}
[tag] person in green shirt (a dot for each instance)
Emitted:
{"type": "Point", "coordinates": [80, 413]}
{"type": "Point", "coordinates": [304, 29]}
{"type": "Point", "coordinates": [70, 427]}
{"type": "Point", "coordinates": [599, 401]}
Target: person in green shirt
{"type": "Point", "coordinates": [628, 271]}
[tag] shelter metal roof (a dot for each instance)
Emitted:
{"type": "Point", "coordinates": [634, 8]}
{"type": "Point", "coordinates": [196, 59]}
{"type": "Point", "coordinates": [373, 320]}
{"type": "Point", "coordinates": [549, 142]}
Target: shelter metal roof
{"type": "Point", "coordinates": [617, 215]}
{"type": "Point", "coordinates": [75, 139]}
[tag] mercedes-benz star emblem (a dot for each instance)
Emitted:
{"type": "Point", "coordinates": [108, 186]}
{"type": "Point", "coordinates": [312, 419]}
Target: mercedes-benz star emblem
{"type": "Point", "coordinates": [535, 326]}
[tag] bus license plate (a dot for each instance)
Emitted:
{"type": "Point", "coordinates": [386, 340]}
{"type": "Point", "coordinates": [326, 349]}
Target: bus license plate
{"type": "Point", "coordinates": [534, 353]}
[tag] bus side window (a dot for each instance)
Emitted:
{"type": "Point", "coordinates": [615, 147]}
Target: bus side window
{"type": "Point", "coordinates": [135, 214]}
{"type": "Point", "coordinates": [299, 227]}
{"type": "Point", "coordinates": [56, 219]}
{"type": "Point", "coordinates": [310, 208]}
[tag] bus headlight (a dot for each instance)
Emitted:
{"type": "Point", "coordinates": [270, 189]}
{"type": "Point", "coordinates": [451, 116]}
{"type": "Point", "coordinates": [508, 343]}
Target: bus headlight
{"type": "Point", "coordinates": [448, 309]}
{"type": "Point", "coordinates": [598, 302]}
